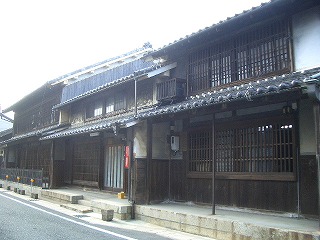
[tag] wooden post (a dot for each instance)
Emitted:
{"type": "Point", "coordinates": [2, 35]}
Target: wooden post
{"type": "Point", "coordinates": [51, 166]}
{"type": "Point", "coordinates": [149, 159]}
{"type": "Point", "coordinates": [213, 169]}
{"type": "Point", "coordinates": [316, 111]}
{"type": "Point", "coordinates": [101, 162]}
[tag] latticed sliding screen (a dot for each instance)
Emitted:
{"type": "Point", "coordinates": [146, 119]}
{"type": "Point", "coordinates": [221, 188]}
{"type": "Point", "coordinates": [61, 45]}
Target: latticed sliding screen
{"type": "Point", "coordinates": [86, 161]}
{"type": "Point", "coordinates": [259, 51]}
{"type": "Point", "coordinates": [200, 151]}
{"type": "Point", "coordinates": [246, 147]}
{"type": "Point", "coordinates": [267, 147]}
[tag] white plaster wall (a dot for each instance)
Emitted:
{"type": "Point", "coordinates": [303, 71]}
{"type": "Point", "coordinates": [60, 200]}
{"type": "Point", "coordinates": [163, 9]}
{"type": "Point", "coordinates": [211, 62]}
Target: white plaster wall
{"type": "Point", "coordinates": [307, 128]}
{"type": "Point", "coordinates": [306, 39]}
{"type": "Point", "coordinates": [160, 147]}
{"type": "Point", "coordinates": [140, 140]}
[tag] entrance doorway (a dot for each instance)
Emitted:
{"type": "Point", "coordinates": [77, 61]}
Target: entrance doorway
{"type": "Point", "coordinates": [114, 167]}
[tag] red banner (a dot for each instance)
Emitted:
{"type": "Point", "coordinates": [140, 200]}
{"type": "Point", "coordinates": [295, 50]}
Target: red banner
{"type": "Point", "coordinates": [127, 157]}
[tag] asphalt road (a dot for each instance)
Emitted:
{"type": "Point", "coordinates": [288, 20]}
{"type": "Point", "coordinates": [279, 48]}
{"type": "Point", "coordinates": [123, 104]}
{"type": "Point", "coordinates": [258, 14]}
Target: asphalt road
{"type": "Point", "coordinates": [22, 218]}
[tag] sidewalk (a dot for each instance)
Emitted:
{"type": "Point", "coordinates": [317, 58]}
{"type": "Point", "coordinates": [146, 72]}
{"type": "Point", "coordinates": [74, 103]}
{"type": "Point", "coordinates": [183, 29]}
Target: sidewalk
{"type": "Point", "coordinates": [228, 223]}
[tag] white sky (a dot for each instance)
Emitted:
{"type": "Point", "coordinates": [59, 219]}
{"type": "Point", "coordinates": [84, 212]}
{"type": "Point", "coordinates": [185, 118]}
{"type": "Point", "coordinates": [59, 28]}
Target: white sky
{"type": "Point", "coordinates": [41, 40]}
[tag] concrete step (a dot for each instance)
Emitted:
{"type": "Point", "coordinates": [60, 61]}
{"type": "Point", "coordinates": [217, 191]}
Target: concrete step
{"type": "Point", "coordinates": [122, 211]}
{"type": "Point", "coordinates": [85, 202]}
{"type": "Point", "coordinates": [218, 226]}
{"type": "Point", "coordinates": [60, 196]}
{"type": "Point", "coordinates": [77, 208]}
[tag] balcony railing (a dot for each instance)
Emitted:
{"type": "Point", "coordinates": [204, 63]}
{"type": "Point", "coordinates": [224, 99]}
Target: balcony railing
{"type": "Point", "coordinates": [172, 89]}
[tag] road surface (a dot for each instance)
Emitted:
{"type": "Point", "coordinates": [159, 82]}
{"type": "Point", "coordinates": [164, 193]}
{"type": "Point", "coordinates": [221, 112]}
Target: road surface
{"type": "Point", "coordinates": [23, 218]}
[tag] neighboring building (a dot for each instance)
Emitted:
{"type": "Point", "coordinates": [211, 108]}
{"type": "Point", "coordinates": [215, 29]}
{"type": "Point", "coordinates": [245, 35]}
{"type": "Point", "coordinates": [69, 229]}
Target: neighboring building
{"type": "Point", "coordinates": [251, 114]}
{"type": "Point", "coordinates": [101, 110]}
{"type": "Point", "coordinates": [4, 135]}
{"type": "Point", "coordinates": [5, 122]}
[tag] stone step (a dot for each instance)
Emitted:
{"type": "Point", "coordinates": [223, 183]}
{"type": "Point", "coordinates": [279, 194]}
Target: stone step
{"type": "Point", "coordinates": [61, 196]}
{"type": "Point", "coordinates": [85, 203]}
{"type": "Point", "coordinates": [77, 208]}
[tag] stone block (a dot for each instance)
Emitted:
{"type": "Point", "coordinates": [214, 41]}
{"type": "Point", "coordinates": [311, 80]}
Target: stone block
{"type": "Point", "coordinates": [208, 222]}
{"type": "Point", "coordinates": [221, 235]}
{"type": "Point", "coordinates": [34, 195]}
{"type": "Point", "coordinates": [207, 232]}
{"type": "Point", "coordinates": [192, 229]}
{"type": "Point", "coordinates": [107, 215]}
{"type": "Point", "coordinates": [175, 225]}
{"type": "Point", "coordinates": [192, 220]}
{"type": "Point", "coordinates": [182, 218]}
{"type": "Point", "coordinates": [224, 226]}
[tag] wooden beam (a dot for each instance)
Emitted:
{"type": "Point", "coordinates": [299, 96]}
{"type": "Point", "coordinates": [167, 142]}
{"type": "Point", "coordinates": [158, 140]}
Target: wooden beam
{"type": "Point", "coordinates": [316, 110]}
{"type": "Point", "coordinates": [149, 160]}
{"type": "Point", "coordinates": [213, 170]}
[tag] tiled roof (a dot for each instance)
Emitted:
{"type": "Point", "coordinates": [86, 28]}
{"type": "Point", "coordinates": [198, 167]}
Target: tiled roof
{"type": "Point", "coordinates": [34, 133]}
{"type": "Point", "coordinates": [248, 91]}
{"type": "Point", "coordinates": [6, 132]}
{"type": "Point", "coordinates": [210, 28]}
{"type": "Point", "coordinates": [145, 46]}
{"type": "Point", "coordinates": [93, 126]}
{"type": "Point", "coordinates": [105, 86]}
{"type": "Point", "coordinates": [59, 79]}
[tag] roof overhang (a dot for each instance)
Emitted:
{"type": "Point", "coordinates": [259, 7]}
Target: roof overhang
{"type": "Point", "coordinates": [139, 75]}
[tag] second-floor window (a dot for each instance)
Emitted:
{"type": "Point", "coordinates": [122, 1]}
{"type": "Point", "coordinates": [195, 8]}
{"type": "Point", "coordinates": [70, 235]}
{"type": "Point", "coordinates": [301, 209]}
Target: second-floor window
{"type": "Point", "coordinates": [111, 104]}
{"type": "Point", "coordinates": [260, 51]}
{"type": "Point", "coordinates": [115, 103]}
{"type": "Point", "coordinates": [94, 109]}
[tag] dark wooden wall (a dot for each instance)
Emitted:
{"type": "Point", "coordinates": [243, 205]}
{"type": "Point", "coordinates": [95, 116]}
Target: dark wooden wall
{"type": "Point", "coordinates": [140, 181]}
{"type": "Point", "coordinates": [309, 185]}
{"type": "Point", "coordinates": [159, 180]}
{"type": "Point", "coordinates": [264, 195]}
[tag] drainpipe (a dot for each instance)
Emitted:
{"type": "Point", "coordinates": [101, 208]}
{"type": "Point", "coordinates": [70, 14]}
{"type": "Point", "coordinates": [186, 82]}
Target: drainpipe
{"type": "Point", "coordinates": [135, 98]}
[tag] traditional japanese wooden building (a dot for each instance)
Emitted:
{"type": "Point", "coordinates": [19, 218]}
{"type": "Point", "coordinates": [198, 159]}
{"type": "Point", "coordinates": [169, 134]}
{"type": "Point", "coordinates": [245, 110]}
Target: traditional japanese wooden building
{"type": "Point", "coordinates": [100, 110]}
{"type": "Point", "coordinates": [245, 131]}
{"type": "Point", "coordinates": [228, 115]}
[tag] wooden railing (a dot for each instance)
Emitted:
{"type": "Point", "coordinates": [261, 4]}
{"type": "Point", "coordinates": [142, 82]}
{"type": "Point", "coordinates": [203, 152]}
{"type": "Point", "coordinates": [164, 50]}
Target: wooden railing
{"type": "Point", "coordinates": [171, 89]}
{"type": "Point", "coordinates": [24, 176]}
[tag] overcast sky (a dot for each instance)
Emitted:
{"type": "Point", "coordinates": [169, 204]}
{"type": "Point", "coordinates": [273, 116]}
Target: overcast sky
{"type": "Point", "coordinates": [41, 40]}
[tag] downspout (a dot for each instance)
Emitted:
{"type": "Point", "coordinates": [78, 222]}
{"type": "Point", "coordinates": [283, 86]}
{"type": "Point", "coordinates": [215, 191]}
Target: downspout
{"type": "Point", "coordinates": [135, 98]}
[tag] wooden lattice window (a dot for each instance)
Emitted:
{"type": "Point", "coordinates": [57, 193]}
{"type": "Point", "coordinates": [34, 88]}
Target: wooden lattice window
{"type": "Point", "coordinates": [86, 161]}
{"type": "Point", "coordinates": [255, 147]}
{"type": "Point", "coordinates": [260, 51]}
{"type": "Point", "coordinates": [200, 151]}
{"type": "Point", "coordinates": [262, 149]}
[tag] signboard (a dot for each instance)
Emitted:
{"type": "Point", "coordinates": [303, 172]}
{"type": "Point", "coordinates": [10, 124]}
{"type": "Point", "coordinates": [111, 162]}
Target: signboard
{"type": "Point", "coordinates": [127, 157]}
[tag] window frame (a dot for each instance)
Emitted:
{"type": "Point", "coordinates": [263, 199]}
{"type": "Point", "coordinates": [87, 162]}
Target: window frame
{"type": "Point", "coordinates": [262, 50]}
{"type": "Point", "coordinates": [102, 104]}
{"type": "Point", "coordinates": [247, 175]}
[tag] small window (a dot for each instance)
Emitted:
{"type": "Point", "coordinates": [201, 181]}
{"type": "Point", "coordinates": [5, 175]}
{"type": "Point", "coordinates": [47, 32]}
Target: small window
{"type": "Point", "coordinates": [109, 105]}
{"type": "Point", "coordinates": [94, 109]}
{"type": "Point", "coordinates": [115, 103]}
{"type": "Point", "coordinates": [119, 103]}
